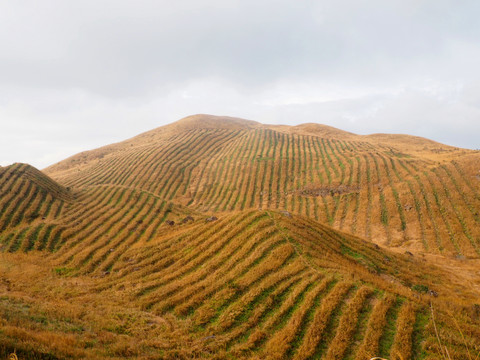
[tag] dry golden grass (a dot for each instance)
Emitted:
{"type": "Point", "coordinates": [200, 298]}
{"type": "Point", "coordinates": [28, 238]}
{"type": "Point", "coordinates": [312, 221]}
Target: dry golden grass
{"type": "Point", "coordinates": [376, 324]}
{"type": "Point", "coordinates": [98, 262]}
{"type": "Point", "coordinates": [255, 309]}
{"type": "Point", "coordinates": [347, 325]}
{"type": "Point", "coordinates": [402, 345]}
{"type": "Point", "coordinates": [320, 321]}
{"type": "Point", "coordinates": [279, 344]}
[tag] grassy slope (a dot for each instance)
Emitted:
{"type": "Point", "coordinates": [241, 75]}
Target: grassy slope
{"type": "Point", "coordinates": [256, 283]}
{"type": "Point", "coordinates": [395, 190]}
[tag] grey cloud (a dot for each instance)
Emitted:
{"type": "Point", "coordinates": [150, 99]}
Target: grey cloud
{"type": "Point", "coordinates": [121, 67]}
{"type": "Point", "coordinates": [126, 48]}
{"type": "Point", "coordinates": [410, 112]}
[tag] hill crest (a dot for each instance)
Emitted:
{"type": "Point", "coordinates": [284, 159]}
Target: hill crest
{"type": "Point", "coordinates": [205, 121]}
{"type": "Point", "coordinates": [413, 145]}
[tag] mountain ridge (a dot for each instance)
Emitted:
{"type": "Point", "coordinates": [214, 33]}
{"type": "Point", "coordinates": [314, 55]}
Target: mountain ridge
{"type": "Point", "coordinates": [203, 121]}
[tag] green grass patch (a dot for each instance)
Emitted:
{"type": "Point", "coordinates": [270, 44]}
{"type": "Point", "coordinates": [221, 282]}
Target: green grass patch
{"type": "Point", "coordinates": [386, 341]}
{"type": "Point", "coordinates": [64, 271]}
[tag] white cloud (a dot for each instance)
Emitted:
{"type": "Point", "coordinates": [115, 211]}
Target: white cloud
{"type": "Point", "coordinates": [77, 75]}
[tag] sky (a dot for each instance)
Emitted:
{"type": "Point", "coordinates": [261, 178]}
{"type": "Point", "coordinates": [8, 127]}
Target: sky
{"type": "Point", "coordinates": [76, 75]}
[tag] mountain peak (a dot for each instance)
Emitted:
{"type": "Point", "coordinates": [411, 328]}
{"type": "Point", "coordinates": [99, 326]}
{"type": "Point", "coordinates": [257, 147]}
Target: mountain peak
{"type": "Point", "coordinates": [205, 121]}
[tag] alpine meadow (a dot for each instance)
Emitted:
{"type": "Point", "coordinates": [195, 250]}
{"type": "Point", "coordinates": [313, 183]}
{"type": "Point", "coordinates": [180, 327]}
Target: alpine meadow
{"type": "Point", "coordinates": [222, 238]}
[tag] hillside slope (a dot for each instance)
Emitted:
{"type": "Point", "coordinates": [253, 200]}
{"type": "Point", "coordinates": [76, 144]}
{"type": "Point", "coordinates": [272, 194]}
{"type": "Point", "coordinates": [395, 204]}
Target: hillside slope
{"type": "Point", "coordinates": [256, 284]}
{"type": "Point", "coordinates": [30, 203]}
{"type": "Point", "coordinates": [224, 238]}
{"type": "Point", "coordinates": [412, 193]}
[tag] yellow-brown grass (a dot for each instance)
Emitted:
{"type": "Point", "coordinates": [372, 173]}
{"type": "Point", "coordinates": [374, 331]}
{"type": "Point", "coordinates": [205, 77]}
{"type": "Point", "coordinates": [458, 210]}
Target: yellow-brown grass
{"type": "Point", "coordinates": [376, 323]}
{"type": "Point", "coordinates": [320, 320]}
{"type": "Point", "coordinates": [279, 344]}
{"type": "Point", "coordinates": [347, 325]}
{"type": "Point", "coordinates": [402, 346]}
{"type": "Point", "coordinates": [111, 240]}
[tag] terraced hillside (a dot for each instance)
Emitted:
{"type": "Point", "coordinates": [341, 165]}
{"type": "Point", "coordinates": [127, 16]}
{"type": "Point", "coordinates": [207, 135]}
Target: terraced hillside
{"type": "Point", "coordinates": [225, 238]}
{"type": "Point", "coordinates": [30, 205]}
{"type": "Point", "coordinates": [394, 190]}
{"type": "Point", "coordinates": [256, 284]}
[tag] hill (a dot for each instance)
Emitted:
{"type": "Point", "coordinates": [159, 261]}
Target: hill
{"type": "Point", "coordinates": [412, 193]}
{"type": "Point", "coordinates": [30, 203]}
{"type": "Point", "coordinates": [252, 284]}
{"type": "Point", "coordinates": [225, 238]}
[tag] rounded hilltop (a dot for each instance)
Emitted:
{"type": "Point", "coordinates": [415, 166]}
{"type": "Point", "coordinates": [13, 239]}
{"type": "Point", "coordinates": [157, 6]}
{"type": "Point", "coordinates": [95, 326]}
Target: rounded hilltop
{"type": "Point", "coordinates": [34, 178]}
{"type": "Point", "coordinates": [189, 123]}
{"type": "Point", "coordinates": [321, 130]}
{"type": "Point", "coordinates": [205, 121]}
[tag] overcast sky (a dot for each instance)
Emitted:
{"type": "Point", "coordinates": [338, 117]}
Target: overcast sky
{"type": "Point", "coordinates": [75, 75]}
